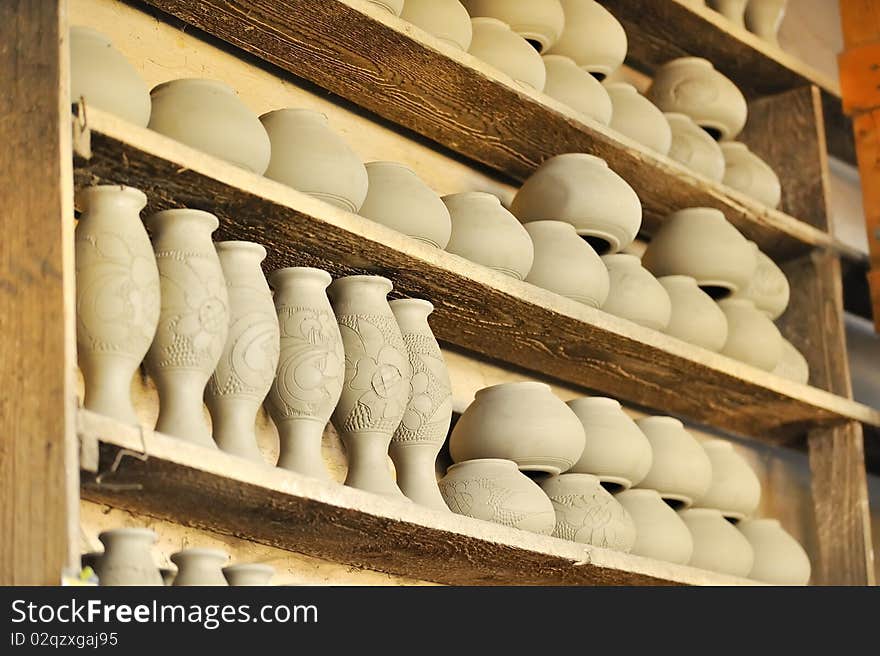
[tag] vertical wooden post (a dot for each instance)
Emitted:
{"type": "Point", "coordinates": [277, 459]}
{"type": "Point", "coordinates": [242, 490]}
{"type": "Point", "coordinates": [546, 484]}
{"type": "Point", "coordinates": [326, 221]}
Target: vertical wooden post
{"type": "Point", "coordinates": [39, 494]}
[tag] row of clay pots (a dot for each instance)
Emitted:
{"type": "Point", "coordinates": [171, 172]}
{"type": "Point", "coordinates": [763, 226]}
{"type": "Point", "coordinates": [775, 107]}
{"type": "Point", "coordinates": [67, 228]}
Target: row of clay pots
{"type": "Point", "coordinates": [761, 17]}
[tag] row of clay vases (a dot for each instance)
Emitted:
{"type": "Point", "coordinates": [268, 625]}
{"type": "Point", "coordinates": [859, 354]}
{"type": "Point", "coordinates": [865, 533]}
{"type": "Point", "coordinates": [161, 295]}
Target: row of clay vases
{"type": "Point", "coordinates": [761, 17]}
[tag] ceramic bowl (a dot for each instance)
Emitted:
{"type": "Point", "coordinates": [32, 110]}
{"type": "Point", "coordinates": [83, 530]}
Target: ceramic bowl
{"type": "Point", "coordinates": [748, 173]}
{"type": "Point", "coordinates": [635, 294]}
{"type": "Point", "coordinates": [694, 147]}
{"type": "Point", "coordinates": [779, 558]}
{"type": "Point", "coordinates": [695, 318]}
{"type": "Point", "coordinates": [592, 37]}
{"type": "Point", "coordinates": [718, 546]}
{"type": "Point", "coordinates": [792, 364]}
{"type": "Point", "coordinates": [660, 532]}
{"type": "Point", "coordinates": [573, 86]}
{"type": "Point", "coordinates": [495, 43]}
{"type": "Point", "coordinates": [751, 336]}
{"type": "Point", "coordinates": [735, 490]}
{"type": "Point", "coordinates": [540, 22]}
{"type": "Point", "coordinates": [638, 118]}
{"type": "Point", "coordinates": [448, 20]}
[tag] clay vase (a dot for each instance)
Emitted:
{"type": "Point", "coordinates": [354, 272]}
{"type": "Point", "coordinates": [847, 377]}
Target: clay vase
{"type": "Point", "coordinates": [635, 294]}
{"type": "Point", "coordinates": [636, 117]}
{"type": "Point", "coordinates": [660, 532]}
{"type": "Point", "coordinates": [399, 199]}
{"type": "Point", "coordinates": [751, 336]}
{"type": "Point", "coordinates": [494, 490]}
{"type": "Point", "coordinates": [699, 242]}
{"type": "Point", "coordinates": [693, 147]}
{"type": "Point", "coordinates": [592, 37]}
{"type": "Point", "coordinates": [748, 173]}
{"type": "Point", "coordinates": [208, 115]}
{"type": "Point", "coordinates": [566, 264]}
{"type": "Point", "coordinates": [768, 288]}
{"type": "Point", "coordinates": [422, 432]}
{"type": "Point", "coordinates": [193, 321]}
{"type": "Point", "coordinates": [692, 86]}
{"type": "Point", "coordinates": [573, 86]}
{"type": "Point", "coordinates": [448, 20]}
{"type": "Point", "coordinates": [583, 191]}
{"type": "Point", "coordinates": [311, 368]}
{"type": "Point", "coordinates": [680, 470]}
{"type": "Point", "coordinates": [377, 380]}
{"type": "Point", "coordinates": [540, 22]}
{"type": "Point", "coordinates": [117, 297]}
{"type": "Point", "coordinates": [695, 317]}
{"type": "Point", "coordinates": [496, 44]}
{"type": "Point", "coordinates": [198, 566]}
{"type": "Point", "coordinates": [524, 422]}
{"type": "Point", "coordinates": [393, 6]}
{"type": "Point", "coordinates": [248, 574]}
{"type": "Point", "coordinates": [732, 10]}
{"type": "Point", "coordinates": [127, 559]}
{"type": "Point", "coordinates": [616, 451]}
{"type": "Point", "coordinates": [249, 360]}
{"type": "Point", "coordinates": [763, 18]}
{"type": "Point", "coordinates": [105, 79]}
{"type": "Point", "coordinates": [587, 513]}
{"type": "Point", "coordinates": [779, 558]}
{"type": "Point", "coordinates": [792, 364]}
{"type": "Point", "coordinates": [718, 546]}
{"type": "Point", "coordinates": [735, 490]}
{"type": "Point", "coordinates": [168, 575]}
{"type": "Point", "coordinates": [486, 233]}
{"type": "Point", "coordinates": [308, 156]}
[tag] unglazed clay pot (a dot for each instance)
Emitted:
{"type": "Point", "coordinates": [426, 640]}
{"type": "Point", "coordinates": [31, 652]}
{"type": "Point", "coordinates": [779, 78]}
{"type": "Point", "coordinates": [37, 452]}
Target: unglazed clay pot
{"type": "Point", "coordinates": [399, 199]}
{"type": "Point", "coordinates": [117, 296]}
{"type": "Point", "coordinates": [660, 532]}
{"type": "Point", "coordinates": [247, 366]}
{"type": "Point", "coordinates": [616, 450]}
{"type": "Point", "coordinates": [308, 156]}
{"type": "Point", "coordinates": [127, 559]}
{"type": "Point", "coordinates": [636, 117]}
{"type": "Point", "coordinates": [748, 173]}
{"type": "Point", "coordinates": [573, 86]}
{"type": "Point", "coordinates": [695, 317]}
{"type": "Point", "coordinates": [779, 558]}
{"type": "Point", "coordinates": [718, 546]}
{"type": "Point", "coordinates": [592, 37]}
{"type": "Point", "coordinates": [693, 147]}
{"type": "Point", "coordinates": [494, 490]}
{"type": "Point", "coordinates": [566, 264]}
{"type": "Point", "coordinates": [496, 44]}
{"type": "Point", "coordinates": [582, 190]}
{"type": "Point", "coordinates": [311, 368]}
{"type": "Point", "coordinates": [763, 18]}
{"type": "Point", "coordinates": [377, 380]}
{"type": "Point", "coordinates": [691, 86]}
{"type": "Point", "coordinates": [168, 574]}
{"type": "Point", "coordinates": [587, 513]}
{"type": "Point", "coordinates": [732, 10]}
{"type": "Point", "coordinates": [792, 364]}
{"type": "Point", "coordinates": [248, 574]}
{"type": "Point", "coordinates": [193, 321]}
{"type": "Point", "coordinates": [486, 233]}
{"type": "Point", "coordinates": [393, 6]}
{"type": "Point", "coordinates": [208, 115]}
{"type": "Point", "coordinates": [422, 432]}
{"type": "Point", "coordinates": [540, 22]}
{"type": "Point", "coordinates": [751, 336]}
{"type": "Point", "coordinates": [680, 470]}
{"type": "Point", "coordinates": [448, 20]}
{"type": "Point", "coordinates": [102, 76]}
{"type": "Point", "coordinates": [198, 566]}
{"type": "Point", "coordinates": [735, 490]}
{"type": "Point", "coordinates": [699, 242]}
{"type": "Point", "coordinates": [768, 288]}
{"type": "Point", "coordinates": [524, 422]}
{"type": "Point", "coordinates": [635, 294]}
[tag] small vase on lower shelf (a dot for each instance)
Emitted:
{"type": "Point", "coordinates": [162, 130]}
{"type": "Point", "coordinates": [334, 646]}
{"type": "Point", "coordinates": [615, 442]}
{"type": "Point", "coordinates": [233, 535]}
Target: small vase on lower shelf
{"type": "Point", "coordinates": [127, 559]}
{"type": "Point", "coordinates": [248, 574]}
{"type": "Point", "coordinates": [198, 566]}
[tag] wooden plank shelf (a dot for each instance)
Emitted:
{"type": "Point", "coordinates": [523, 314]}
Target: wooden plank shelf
{"type": "Point", "coordinates": [476, 308]}
{"type": "Point", "coordinates": [165, 477]}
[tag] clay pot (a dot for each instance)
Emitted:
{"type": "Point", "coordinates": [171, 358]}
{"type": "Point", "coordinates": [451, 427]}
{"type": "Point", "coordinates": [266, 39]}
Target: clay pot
{"type": "Point", "coordinates": [636, 117]}
{"type": "Point", "coordinates": [496, 44]}
{"type": "Point", "coordinates": [695, 317]}
{"type": "Point", "coordinates": [583, 191]}
{"type": "Point", "coordinates": [732, 10]}
{"type": "Point", "coordinates": [680, 470]}
{"type": "Point", "coordinates": [208, 115]}
{"type": "Point", "coordinates": [422, 432]}
{"type": "Point", "coordinates": [616, 451]}
{"type": "Point", "coordinates": [247, 366]}
{"type": "Point", "coordinates": [693, 147]}
{"type": "Point", "coordinates": [495, 491]}
{"type": "Point", "coordinates": [592, 37]}
{"type": "Point", "coordinates": [779, 558]}
{"type": "Point", "coordinates": [126, 559]}
{"type": "Point", "coordinates": [635, 294]}
{"type": "Point", "coordinates": [566, 264]}
{"type": "Point", "coordinates": [768, 288]}
{"type": "Point", "coordinates": [751, 336]}
{"type": "Point", "coordinates": [699, 242]}
{"type": "Point", "coordinates": [692, 86]}
{"type": "Point", "coordinates": [540, 22]}
{"type": "Point", "coordinates": [198, 566]}
{"type": "Point", "coordinates": [748, 173]}
{"type": "Point", "coordinates": [486, 233]}
{"type": "Point", "coordinates": [311, 368]}
{"type": "Point", "coordinates": [573, 86]}
{"type": "Point", "coordinates": [193, 321]}
{"type": "Point", "coordinates": [168, 575]}
{"type": "Point", "coordinates": [524, 422]}
{"type": "Point", "coordinates": [248, 574]}
{"type": "Point", "coordinates": [399, 199]}
{"type": "Point", "coordinates": [735, 490]}
{"type": "Point", "coordinates": [393, 6]}
{"type": "Point", "coordinates": [792, 364]}
{"type": "Point", "coordinates": [448, 20]}
{"type": "Point", "coordinates": [377, 380]}
{"type": "Point", "coordinates": [308, 156]}
{"type": "Point", "coordinates": [718, 546]}
{"type": "Point", "coordinates": [117, 297]}
{"type": "Point", "coordinates": [587, 513]}
{"type": "Point", "coordinates": [105, 79]}
{"type": "Point", "coordinates": [763, 18]}
{"type": "Point", "coordinates": [660, 532]}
